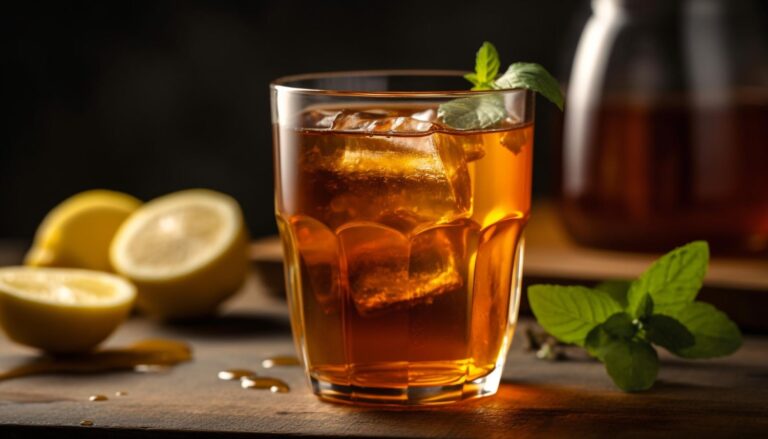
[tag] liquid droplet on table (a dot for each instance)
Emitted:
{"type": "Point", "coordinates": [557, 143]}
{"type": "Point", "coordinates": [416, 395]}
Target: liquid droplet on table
{"type": "Point", "coordinates": [151, 368]}
{"type": "Point", "coordinates": [235, 374]}
{"type": "Point", "coordinates": [280, 360]}
{"type": "Point", "coordinates": [86, 423]}
{"type": "Point", "coordinates": [98, 398]}
{"type": "Point", "coordinates": [143, 356]}
{"type": "Point", "coordinates": [121, 393]}
{"type": "Point", "coordinates": [273, 384]}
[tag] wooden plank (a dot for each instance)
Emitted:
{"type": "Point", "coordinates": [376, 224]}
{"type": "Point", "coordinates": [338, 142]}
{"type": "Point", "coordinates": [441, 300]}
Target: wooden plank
{"type": "Point", "coordinates": [551, 253]}
{"type": "Point", "coordinates": [724, 397]}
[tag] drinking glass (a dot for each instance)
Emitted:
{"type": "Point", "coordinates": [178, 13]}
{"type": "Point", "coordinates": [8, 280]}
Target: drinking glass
{"type": "Point", "coordinates": [402, 235]}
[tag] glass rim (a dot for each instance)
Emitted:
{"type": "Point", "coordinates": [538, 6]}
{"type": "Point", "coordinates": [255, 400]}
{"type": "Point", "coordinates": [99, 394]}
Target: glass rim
{"type": "Point", "coordinates": [282, 84]}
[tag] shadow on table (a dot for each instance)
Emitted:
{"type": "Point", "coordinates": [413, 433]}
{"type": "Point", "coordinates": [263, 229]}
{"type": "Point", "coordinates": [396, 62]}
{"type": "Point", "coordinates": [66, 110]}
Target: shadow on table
{"type": "Point", "coordinates": [540, 410]}
{"type": "Point", "coordinates": [231, 325]}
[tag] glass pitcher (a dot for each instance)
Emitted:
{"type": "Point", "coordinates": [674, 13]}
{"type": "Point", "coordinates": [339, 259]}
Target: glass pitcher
{"type": "Point", "coordinates": [666, 130]}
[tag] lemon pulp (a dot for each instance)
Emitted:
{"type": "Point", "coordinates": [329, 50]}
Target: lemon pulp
{"type": "Point", "coordinates": [62, 310]}
{"type": "Point", "coordinates": [186, 252]}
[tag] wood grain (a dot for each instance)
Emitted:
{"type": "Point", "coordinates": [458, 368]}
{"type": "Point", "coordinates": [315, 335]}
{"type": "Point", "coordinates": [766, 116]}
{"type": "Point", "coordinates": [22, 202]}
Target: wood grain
{"type": "Point", "coordinates": [719, 398]}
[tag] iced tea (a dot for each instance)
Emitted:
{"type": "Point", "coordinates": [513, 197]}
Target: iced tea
{"type": "Point", "coordinates": [403, 247]}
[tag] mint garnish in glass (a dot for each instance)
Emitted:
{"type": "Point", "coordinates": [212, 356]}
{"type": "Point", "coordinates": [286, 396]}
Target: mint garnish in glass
{"type": "Point", "coordinates": [486, 110]}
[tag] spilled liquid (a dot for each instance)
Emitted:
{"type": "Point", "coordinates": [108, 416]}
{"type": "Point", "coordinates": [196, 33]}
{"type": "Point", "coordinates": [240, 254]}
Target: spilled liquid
{"type": "Point", "coordinates": [86, 423]}
{"type": "Point", "coordinates": [235, 374]}
{"type": "Point", "coordinates": [274, 385]}
{"type": "Point", "coordinates": [145, 356]}
{"type": "Point", "coordinates": [98, 398]}
{"type": "Point", "coordinates": [121, 393]}
{"type": "Point", "coordinates": [250, 380]}
{"type": "Point", "coordinates": [279, 360]}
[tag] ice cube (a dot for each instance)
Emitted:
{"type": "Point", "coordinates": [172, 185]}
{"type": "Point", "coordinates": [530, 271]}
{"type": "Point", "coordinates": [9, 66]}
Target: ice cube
{"type": "Point", "coordinates": [320, 118]}
{"type": "Point", "coordinates": [428, 115]}
{"type": "Point", "coordinates": [377, 266]}
{"type": "Point", "coordinates": [388, 271]}
{"type": "Point", "coordinates": [438, 258]}
{"type": "Point", "coordinates": [380, 121]}
{"type": "Point", "coordinates": [400, 181]}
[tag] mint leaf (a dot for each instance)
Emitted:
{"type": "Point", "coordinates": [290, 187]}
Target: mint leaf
{"type": "Point", "coordinates": [569, 313]}
{"type": "Point", "coordinates": [673, 280]}
{"type": "Point", "coordinates": [617, 322]}
{"type": "Point", "coordinates": [645, 307]}
{"type": "Point", "coordinates": [596, 342]}
{"type": "Point", "coordinates": [474, 112]}
{"type": "Point", "coordinates": [632, 364]}
{"type": "Point", "coordinates": [617, 327]}
{"type": "Point", "coordinates": [472, 77]}
{"type": "Point", "coordinates": [458, 112]}
{"type": "Point", "coordinates": [532, 77]}
{"type": "Point", "coordinates": [667, 332]}
{"type": "Point", "coordinates": [620, 325]}
{"type": "Point", "coordinates": [486, 67]}
{"type": "Point", "coordinates": [715, 335]}
{"type": "Point", "coordinates": [617, 289]}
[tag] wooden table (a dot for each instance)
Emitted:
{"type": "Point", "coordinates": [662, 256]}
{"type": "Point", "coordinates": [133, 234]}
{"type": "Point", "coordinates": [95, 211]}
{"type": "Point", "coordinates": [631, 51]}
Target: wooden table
{"type": "Point", "coordinates": [725, 398]}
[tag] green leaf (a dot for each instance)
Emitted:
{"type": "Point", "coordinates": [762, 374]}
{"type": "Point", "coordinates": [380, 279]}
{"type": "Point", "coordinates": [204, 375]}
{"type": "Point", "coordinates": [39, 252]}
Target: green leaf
{"type": "Point", "coordinates": [472, 77]}
{"type": "Point", "coordinates": [645, 307]}
{"type": "Point", "coordinates": [620, 325]}
{"type": "Point", "coordinates": [618, 289]}
{"type": "Point", "coordinates": [667, 332]}
{"type": "Point", "coordinates": [673, 280]}
{"type": "Point", "coordinates": [715, 335]}
{"type": "Point", "coordinates": [534, 77]}
{"type": "Point", "coordinates": [596, 342]}
{"type": "Point", "coordinates": [631, 364]}
{"type": "Point", "coordinates": [478, 112]}
{"type": "Point", "coordinates": [486, 66]}
{"type": "Point", "coordinates": [569, 313]}
{"type": "Point", "coordinates": [472, 113]}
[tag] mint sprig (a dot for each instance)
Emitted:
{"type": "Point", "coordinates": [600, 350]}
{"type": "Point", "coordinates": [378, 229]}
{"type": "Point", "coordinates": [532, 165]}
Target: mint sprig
{"type": "Point", "coordinates": [620, 322]}
{"type": "Point", "coordinates": [487, 65]}
{"type": "Point", "coordinates": [483, 111]}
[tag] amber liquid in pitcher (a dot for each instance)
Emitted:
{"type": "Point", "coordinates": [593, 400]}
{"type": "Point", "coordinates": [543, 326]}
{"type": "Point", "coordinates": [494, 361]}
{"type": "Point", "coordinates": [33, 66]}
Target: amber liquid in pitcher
{"type": "Point", "coordinates": [401, 240]}
{"type": "Point", "coordinates": [660, 173]}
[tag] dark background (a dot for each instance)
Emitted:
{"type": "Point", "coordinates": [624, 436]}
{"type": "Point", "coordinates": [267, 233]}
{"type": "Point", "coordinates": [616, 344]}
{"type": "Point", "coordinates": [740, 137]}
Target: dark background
{"type": "Point", "coordinates": [153, 97]}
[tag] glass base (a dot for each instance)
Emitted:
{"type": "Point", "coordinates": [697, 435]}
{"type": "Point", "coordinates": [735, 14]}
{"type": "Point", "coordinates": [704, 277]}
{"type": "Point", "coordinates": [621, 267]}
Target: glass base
{"type": "Point", "coordinates": [413, 396]}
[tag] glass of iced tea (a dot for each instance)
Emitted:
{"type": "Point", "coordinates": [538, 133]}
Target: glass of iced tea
{"type": "Point", "coordinates": [402, 235]}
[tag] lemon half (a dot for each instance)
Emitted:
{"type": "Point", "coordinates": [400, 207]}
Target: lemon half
{"type": "Point", "coordinates": [61, 310]}
{"type": "Point", "coordinates": [186, 252]}
{"type": "Point", "coordinates": [77, 233]}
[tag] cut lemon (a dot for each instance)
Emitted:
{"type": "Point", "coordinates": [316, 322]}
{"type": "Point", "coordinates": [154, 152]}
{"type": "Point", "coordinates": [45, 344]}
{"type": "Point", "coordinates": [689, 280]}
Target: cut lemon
{"type": "Point", "coordinates": [61, 310]}
{"type": "Point", "coordinates": [77, 233]}
{"type": "Point", "coordinates": [186, 252]}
